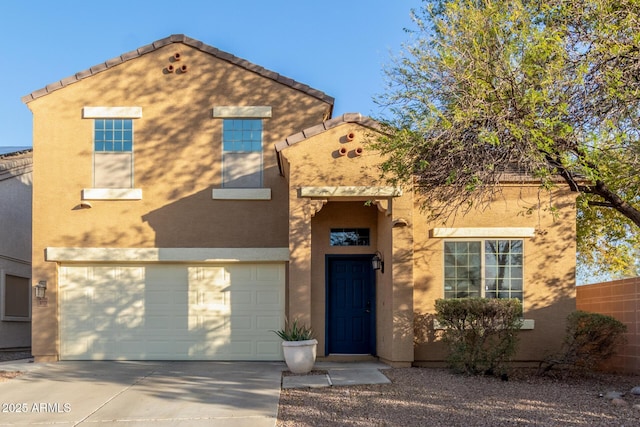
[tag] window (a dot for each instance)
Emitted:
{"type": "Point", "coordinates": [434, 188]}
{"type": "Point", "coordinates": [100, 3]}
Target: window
{"type": "Point", "coordinates": [485, 268]}
{"type": "Point", "coordinates": [349, 237]}
{"type": "Point", "coordinates": [242, 153]}
{"type": "Point", "coordinates": [16, 298]}
{"type": "Point", "coordinates": [113, 153]}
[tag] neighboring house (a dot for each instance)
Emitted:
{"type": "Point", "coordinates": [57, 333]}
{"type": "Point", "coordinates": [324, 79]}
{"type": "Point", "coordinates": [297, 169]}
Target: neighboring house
{"type": "Point", "coordinates": [15, 249]}
{"type": "Point", "coordinates": [187, 202]}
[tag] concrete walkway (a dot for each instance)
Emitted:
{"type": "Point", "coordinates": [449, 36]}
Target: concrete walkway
{"type": "Point", "coordinates": [158, 394]}
{"type": "Point", "coordinates": [339, 374]}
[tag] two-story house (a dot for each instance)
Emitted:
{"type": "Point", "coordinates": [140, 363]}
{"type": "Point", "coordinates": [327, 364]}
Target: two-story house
{"type": "Point", "coordinates": [187, 202]}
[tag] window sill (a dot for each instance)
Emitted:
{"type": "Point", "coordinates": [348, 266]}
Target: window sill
{"type": "Point", "coordinates": [527, 325]}
{"type": "Point", "coordinates": [111, 194]}
{"type": "Point", "coordinates": [241, 194]}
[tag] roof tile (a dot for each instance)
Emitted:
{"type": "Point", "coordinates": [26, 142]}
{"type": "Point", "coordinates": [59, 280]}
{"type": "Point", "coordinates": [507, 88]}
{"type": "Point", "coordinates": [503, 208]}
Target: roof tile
{"type": "Point", "coordinates": [83, 74]}
{"type": "Point", "coordinates": [40, 92]}
{"type": "Point", "coordinates": [53, 86]}
{"type": "Point", "coordinates": [296, 137]}
{"type": "Point", "coordinates": [113, 61]}
{"type": "Point", "coordinates": [97, 68]}
{"type": "Point", "coordinates": [129, 55]}
{"type": "Point", "coordinates": [69, 80]}
{"type": "Point", "coordinates": [279, 146]}
{"type": "Point", "coordinates": [146, 49]}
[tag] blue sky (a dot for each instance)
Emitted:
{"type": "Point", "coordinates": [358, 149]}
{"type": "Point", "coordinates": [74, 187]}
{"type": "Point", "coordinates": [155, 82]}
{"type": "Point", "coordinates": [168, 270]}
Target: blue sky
{"type": "Point", "coordinates": [337, 46]}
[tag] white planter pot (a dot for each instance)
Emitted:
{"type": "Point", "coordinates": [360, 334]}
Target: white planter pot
{"type": "Point", "coordinates": [300, 356]}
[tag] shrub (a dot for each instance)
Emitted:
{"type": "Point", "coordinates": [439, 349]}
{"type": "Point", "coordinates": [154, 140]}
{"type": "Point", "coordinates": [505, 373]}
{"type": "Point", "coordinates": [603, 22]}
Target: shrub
{"type": "Point", "coordinates": [591, 338]}
{"type": "Point", "coordinates": [481, 332]}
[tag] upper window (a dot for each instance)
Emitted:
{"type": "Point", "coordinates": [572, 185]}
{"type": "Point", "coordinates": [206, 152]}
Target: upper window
{"type": "Point", "coordinates": [113, 135]}
{"type": "Point", "coordinates": [242, 153]}
{"type": "Point", "coordinates": [113, 153]}
{"type": "Point", "coordinates": [485, 268]}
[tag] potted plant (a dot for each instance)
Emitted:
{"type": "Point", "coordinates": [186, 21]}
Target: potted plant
{"type": "Point", "coordinates": [299, 347]}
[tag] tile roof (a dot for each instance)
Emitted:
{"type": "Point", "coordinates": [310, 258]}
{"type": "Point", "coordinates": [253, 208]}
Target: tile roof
{"type": "Point", "coordinates": [15, 164]}
{"type": "Point", "coordinates": [325, 126]}
{"type": "Point", "coordinates": [178, 38]}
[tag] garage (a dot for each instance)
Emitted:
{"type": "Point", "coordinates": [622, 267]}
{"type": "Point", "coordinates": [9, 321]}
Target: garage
{"type": "Point", "coordinates": [171, 311]}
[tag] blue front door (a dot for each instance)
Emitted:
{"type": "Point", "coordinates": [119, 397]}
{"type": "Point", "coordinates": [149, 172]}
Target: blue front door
{"type": "Point", "coordinates": [350, 305]}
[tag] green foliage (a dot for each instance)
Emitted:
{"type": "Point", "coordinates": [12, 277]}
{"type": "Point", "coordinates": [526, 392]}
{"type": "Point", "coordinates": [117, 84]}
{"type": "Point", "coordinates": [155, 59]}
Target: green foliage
{"type": "Point", "coordinates": [546, 89]}
{"type": "Point", "coordinates": [481, 332]}
{"type": "Point", "coordinates": [295, 332]}
{"type": "Point", "coordinates": [591, 338]}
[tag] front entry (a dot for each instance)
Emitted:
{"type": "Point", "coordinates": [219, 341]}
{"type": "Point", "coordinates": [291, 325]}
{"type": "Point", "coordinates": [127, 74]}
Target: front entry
{"type": "Point", "coordinates": [350, 305]}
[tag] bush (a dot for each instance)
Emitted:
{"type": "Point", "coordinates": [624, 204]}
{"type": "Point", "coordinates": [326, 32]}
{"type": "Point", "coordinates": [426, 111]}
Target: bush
{"type": "Point", "coordinates": [590, 339]}
{"type": "Point", "coordinates": [481, 332]}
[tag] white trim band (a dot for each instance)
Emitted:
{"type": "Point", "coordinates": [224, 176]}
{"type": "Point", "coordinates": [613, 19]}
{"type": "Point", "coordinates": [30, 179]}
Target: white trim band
{"type": "Point", "coordinates": [112, 194]}
{"type": "Point", "coordinates": [111, 112]}
{"type": "Point", "coordinates": [258, 112]}
{"type": "Point", "coordinates": [350, 191]}
{"type": "Point", "coordinates": [484, 232]}
{"type": "Point", "coordinates": [166, 254]}
{"type": "Point", "coordinates": [241, 194]}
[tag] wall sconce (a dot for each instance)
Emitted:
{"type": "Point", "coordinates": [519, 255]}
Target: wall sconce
{"type": "Point", "coordinates": [377, 263]}
{"type": "Point", "coordinates": [41, 289]}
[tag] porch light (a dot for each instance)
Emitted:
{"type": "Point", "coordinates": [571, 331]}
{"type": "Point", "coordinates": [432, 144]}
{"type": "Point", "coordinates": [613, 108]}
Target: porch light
{"type": "Point", "coordinates": [41, 289]}
{"type": "Point", "coordinates": [377, 263]}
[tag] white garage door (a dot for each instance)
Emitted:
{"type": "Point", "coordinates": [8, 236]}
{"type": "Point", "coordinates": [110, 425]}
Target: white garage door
{"type": "Point", "coordinates": [171, 312]}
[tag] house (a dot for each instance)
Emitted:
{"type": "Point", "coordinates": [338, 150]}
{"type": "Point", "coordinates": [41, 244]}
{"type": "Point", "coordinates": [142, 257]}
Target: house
{"type": "Point", "coordinates": [15, 248]}
{"type": "Point", "coordinates": [187, 202]}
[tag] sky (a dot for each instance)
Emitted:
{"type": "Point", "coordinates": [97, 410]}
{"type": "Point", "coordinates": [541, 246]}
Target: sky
{"type": "Point", "coordinates": [340, 47]}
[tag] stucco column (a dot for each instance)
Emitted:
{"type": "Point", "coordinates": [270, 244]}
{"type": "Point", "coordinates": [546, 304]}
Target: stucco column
{"type": "Point", "coordinates": [300, 213]}
{"type": "Point", "coordinates": [403, 277]}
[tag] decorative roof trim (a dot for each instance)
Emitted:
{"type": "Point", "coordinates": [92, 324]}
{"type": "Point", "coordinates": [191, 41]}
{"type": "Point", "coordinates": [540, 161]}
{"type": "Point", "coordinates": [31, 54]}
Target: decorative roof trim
{"type": "Point", "coordinates": [325, 126]}
{"type": "Point", "coordinates": [196, 44]}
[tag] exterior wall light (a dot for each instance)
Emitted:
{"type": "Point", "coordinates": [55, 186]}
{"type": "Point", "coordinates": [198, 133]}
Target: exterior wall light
{"type": "Point", "coordinates": [41, 289]}
{"type": "Point", "coordinates": [377, 263]}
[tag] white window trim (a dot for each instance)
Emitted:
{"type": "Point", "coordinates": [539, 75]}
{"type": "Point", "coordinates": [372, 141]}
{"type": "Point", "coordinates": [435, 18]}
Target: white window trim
{"type": "Point", "coordinates": [111, 194]}
{"type": "Point", "coordinates": [484, 232]}
{"type": "Point", "coordinates": [237, 112]}
{"type": "Point", "coordinates": [241, 194]}
{"type": "Point", "coordinates": [3, 284]}
{"type": "Point", "coordinates": [111, 112]}
{"type": "Point", "coordinates": [236, 255]}
{"type": "Point", "coordinates": [482, 262]}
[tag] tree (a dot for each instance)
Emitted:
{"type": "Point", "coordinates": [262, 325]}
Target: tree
{"type": "Point", "coordinates": [541, 89]}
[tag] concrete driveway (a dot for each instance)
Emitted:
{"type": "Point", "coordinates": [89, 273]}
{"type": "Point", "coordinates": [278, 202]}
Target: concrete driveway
{"type": "Point", "coordinates": [156, 394]}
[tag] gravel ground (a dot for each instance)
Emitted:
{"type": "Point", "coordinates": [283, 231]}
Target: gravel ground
{"type": "Point", "coordinates": [437, 397]}
{"type": "Point", "coordinates": [8, 355]}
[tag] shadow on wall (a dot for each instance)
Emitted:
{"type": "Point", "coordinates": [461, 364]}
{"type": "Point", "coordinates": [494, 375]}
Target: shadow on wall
{"type": "Point", "coordinates": [549, 291]}
{"type": "Point", "coordinates": [164, 312]}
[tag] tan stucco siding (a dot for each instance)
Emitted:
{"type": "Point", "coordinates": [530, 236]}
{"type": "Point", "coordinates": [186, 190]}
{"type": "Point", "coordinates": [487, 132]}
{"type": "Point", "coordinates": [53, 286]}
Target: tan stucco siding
{"type": "Point", "coordinates": [549, 269]}
{"type": "Point", "coordinates": [318, 163]}
{"type": "Point", "coordinates": [177, 162]}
